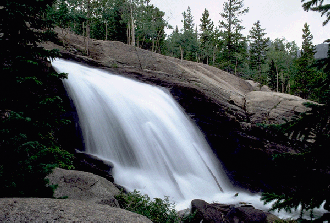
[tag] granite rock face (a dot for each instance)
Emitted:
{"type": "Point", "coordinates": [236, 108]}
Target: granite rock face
{"type": "Point", "coordinates": [84, 186]}
{"type": "Point", "coordinates": [272, 107]}
{"type": "Point", "coordinates": [63, 210]}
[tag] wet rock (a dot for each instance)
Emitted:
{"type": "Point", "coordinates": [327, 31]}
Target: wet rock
{"type": "Point", "coordinates": [241, 213]}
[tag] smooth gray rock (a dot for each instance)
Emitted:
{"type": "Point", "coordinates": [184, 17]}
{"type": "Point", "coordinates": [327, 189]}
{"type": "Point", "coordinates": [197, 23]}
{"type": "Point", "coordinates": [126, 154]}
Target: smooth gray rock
{"type": "Point", "coordinates": [273, 107]}
{"type": "Point", "coordinates": [258, 87]}
{"type": "Point", "coordinates": [63, 210]}
{"type": "Point", "coordinates": [79, 185]}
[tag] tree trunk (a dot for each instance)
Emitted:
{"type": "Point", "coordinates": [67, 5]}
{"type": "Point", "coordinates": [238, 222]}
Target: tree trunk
{"type": "Point", "coordinates": [83, 28]}
{"type": "Point", "coordinates": [213, 59]}
{"type": "Point", "coordinates": [282, 77]}
{"type": "Point", "coordinates": [276, 79]}
{"type": "Point", "coordinates": [88, 30]}
{"type": "Point", "coordinates": [128, 34]}
{"type": "Point", "coordinates": [181, 51]}
{"type": "Point", "coordinates": [106, 30]}
{"type": "Point", "coordinates": [236, 66]}
{"type": "Point", "coordinates": [132, 27]}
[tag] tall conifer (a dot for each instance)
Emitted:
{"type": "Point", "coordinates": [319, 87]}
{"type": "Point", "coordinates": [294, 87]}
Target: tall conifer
{"type": "Point", "coordinates": [258, 49]}
{"type": "Point", "coordinates": [206, 36]}
{"type": "Point", "coordinates": [231, 25]}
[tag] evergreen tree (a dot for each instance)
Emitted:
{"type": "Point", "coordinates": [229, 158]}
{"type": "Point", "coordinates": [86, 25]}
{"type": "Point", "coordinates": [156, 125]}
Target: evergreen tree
{"type": "Point", "coordinates": [188, 41]}
{"type": "Point", "coordinates": [306, 73]}
{"type": "Point", "coordinates": [281, 56]}
{"type": "Point", "coordinates": [174, 43]}
{"type": "Point", "coordinates": [150, 26]}
{"type": "Point", "coordinates": [308, 171]}
{"type": "Point", "coordinates": [258, 50]}
{"type": "Point", "coordinates": [206, 37]}
{"type": "Point", "coordinates": [231, 25]}
{"type": "Point", "coordinates": [32, 107]}
{"type": "Point", "coordinates": [318, 6]}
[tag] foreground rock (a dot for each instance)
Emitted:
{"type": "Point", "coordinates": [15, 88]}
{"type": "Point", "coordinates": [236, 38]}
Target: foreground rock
{"type": "Point", "coordinates": [79, 185]}
{"type": "Point", "coordinates": [59, 210]}
{"type": "Point", "coordinates": [211, 213]}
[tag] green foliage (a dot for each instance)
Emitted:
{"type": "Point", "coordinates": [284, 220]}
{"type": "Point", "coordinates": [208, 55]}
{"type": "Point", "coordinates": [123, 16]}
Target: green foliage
{"type": "Point", "coordinates": [305, 71]}
{"type": "Point", "coordinates": [150, 26]}
{"type": "Point", "coordinates": [306, 173]}
{"type": "Point", "coordinates": [30, 101]}
{"type": "Point", "coordinates": [318, 6]}
{"type": "Point", "coordinates": [258, 50]}
{"type": "Point", "coordinates": [188, 41]}
{"type": "Point", "coordinates": [173, 43]}
{"type": "Point", "coordinates": [157, 210]}
{"type": "Point", "coordinates": [28, 156]}
{"type": "Point", "coordinates": [233, 54]}
{"type": "Point", "coordinates": [207, 37]}
{"type": "Point", "coordinates": [281, 56]}
{"type": "Point", "coordinates": [112, 20]}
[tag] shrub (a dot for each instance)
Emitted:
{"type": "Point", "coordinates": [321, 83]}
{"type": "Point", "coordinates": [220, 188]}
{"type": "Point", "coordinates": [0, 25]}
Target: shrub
{"type": "Point", "coordinates": [157, 210]}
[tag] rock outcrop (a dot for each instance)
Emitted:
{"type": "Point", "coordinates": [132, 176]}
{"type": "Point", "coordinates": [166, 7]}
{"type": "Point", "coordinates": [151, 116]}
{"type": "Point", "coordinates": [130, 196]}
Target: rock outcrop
{"type": "Point", "coordinates": [79, 185]}
{"type": "Point", "coordinates": [224, 106]}
{"type": "Point", "coordinates": [63, 210]}
{"type": "Point", "coordinates": [258, 87]}
{"type": "Point", "coordinates": [211, 213]}
{"type": "Point", "coordinates": [272, 107]}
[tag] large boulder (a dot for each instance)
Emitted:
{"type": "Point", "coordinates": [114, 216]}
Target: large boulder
{"type": "Point", "coordinates": [63, 210]}
{"type": "Point", "coordinates": [258, 87]}
{"type": "Point", "coordinates": [246, 214]}
{"type": "Point", "coordinates": [273, 107]}
{"type": "Point", "coordinates": [79, 185]}
{"type": "Point", "coordinates": [217, 213]}
{"type": "Point", "coordinates": [208, 213]}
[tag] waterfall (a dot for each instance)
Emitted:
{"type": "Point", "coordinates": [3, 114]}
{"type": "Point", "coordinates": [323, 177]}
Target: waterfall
{"type": "Point", "coordinates": [143, 131]}
{"type": "Point", "coordinates": [153, 145]}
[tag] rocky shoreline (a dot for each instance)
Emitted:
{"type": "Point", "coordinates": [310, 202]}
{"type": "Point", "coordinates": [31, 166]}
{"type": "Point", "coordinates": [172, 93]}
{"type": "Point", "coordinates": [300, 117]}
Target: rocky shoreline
{"type": "Point", "coordinates": [85, 197]}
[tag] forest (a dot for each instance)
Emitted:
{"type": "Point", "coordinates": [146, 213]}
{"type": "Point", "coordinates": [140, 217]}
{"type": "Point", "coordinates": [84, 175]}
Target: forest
{"type": "Point", "coordinates": [29, 138]}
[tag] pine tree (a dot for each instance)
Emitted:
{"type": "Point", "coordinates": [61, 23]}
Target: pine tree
{"type": "Point", "coordinates": [283, 55]}
{"type": "Point", "coordinates": [307, 171]}
{"type": "Point", "coordinates": [206, 36]}
{"type": "Point", "coordinates": [174, 43]}
{"type": "Point", "coordinates": [189, 44]}
{"type": "Point", "coordinates": [258, 50]}
{"type": "Point", "coordinates": [28, 135]}
{"type": "Point", "coordinates": [231, 25]}
{"type": "Point", "coordinates": [150, 26]}
{"type": "Point", "coordinates": [305, 74]}
{"type": "Point", "coordinates": [318, 6]}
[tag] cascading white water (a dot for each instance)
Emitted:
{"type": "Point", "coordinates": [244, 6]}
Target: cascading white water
{"type": "Point", "coordinates": [154, 146]}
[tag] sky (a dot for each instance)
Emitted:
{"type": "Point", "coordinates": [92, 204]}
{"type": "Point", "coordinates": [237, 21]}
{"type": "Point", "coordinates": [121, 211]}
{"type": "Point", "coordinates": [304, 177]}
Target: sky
{"type": "Point", "coordinates": [280, 18]}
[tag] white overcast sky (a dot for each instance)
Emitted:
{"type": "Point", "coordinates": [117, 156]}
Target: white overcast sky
{"type": "Point", "coordinates": [280, 18]}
